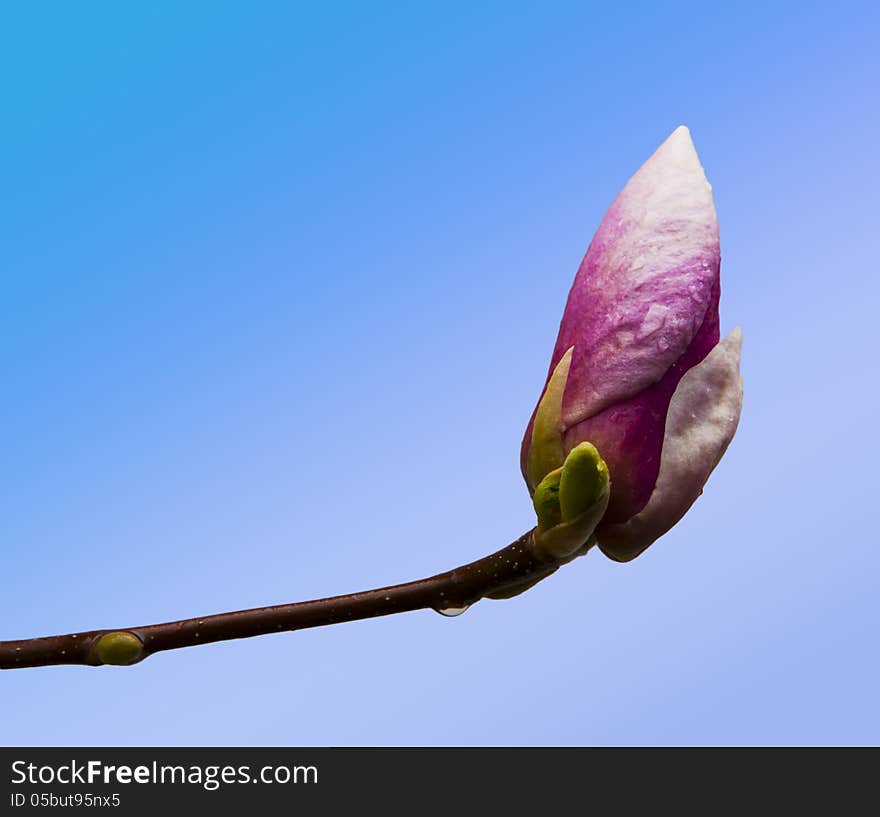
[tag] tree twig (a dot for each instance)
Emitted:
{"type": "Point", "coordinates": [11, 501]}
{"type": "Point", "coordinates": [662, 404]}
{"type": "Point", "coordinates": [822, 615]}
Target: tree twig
{"type": "Point", "coordinates": [505, 571]}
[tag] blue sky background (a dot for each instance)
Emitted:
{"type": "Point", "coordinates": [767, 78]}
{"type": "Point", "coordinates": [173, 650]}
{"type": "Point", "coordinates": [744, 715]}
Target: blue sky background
{"type": "Point", "coordinates": [266, 265]}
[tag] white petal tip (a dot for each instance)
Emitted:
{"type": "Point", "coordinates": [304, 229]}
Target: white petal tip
{"type": "Point", "coordinates": [681, 138]}
{"type": "Point", "coordinates": [678, 152]}
{"type": "Point", "coordinates": [734, 339]}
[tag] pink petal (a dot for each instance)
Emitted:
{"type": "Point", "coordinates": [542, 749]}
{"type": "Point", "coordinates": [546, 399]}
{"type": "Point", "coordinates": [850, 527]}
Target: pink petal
{"type": "Point", "coordinates": [629, 435]}
{"type": "Point", "coordinates": [645, 284]}
{"type": "Point", "coordinates": [702, 418]}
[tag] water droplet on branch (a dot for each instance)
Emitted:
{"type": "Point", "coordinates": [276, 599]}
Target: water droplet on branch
{"type": "Point", "coordinates": [452, 612]}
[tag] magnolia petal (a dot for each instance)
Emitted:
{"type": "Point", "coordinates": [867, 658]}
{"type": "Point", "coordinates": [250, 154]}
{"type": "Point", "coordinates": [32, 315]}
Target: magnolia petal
{"type": "Point", "coordinates": [702, 418]}
{"type": "Point", "coordinates": [644, 285]}
{"type": "Point", "coordinates": [630, 433]}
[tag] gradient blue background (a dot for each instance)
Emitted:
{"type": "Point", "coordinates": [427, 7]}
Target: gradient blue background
{"type": "Point", "coordinates": [280, 286]}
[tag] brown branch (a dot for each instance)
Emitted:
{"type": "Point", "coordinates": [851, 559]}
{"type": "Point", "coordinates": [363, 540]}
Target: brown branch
{"type": "Point", "coordinates": [512, 568]}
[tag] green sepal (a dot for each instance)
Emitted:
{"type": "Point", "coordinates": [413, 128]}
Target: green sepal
{"type": "Point", "coordinates": [546, 500]}
{"type": "Point", "coordinates": [582, 488]}
{"type": "Point", "coordinates": [584, 477]}
{"type": "Point", "coordinates": [545, 448]}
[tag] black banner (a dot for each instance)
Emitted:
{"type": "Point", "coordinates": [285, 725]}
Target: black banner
{"type": "Point", "coordinates": [422, 780]}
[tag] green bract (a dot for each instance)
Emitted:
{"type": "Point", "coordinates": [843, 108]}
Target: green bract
{"type": "Point", "coordinates": [570, 502]}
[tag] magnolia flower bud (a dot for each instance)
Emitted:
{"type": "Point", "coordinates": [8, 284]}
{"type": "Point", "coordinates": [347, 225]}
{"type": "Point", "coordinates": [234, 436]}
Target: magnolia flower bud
{"type": "Point", "coordinates": [638, 370]}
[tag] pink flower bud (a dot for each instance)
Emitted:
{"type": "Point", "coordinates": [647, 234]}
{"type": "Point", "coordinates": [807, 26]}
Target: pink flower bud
{"type": "Point", "coordinates": [647, 381]}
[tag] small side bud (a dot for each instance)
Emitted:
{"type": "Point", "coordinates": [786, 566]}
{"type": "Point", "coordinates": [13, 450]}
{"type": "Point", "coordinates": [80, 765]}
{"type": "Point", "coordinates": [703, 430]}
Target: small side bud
{"type": "Point", "coordinates": [581, 489]}
{"type": "Point", "coordinates": [584, 477]}
{"type": "Point", "coordinates": [119, 648]}
{"type": "Point", "coordinates": [546, 500]}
